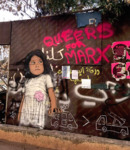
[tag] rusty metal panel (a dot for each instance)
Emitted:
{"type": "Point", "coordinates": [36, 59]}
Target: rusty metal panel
{"type": "Point", "coordinates": [102, 110]}
{"type": "Point", "coordinates": [5, 33]}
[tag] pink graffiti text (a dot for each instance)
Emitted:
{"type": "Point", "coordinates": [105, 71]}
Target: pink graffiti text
{"type": "Point", "coordinates": [75, 47]}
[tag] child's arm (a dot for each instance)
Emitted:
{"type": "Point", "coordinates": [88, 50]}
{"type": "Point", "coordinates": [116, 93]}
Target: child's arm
{"type": "Point", "coordinates": [20, 109]}
{"type": "Point", "coordinates": [53, 100]}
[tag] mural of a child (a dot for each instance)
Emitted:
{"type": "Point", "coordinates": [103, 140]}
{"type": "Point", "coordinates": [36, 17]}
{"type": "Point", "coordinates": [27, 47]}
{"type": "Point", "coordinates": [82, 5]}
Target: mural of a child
{"type": "Point", "coordinates": [38, 91]}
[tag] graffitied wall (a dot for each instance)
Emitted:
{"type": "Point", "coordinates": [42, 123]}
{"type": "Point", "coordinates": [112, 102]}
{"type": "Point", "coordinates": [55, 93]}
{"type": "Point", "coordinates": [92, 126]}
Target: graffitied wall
{"type": "Point", "coordinates": [91, 73]}
{"type": "Point", "coordinates": [4, 58]}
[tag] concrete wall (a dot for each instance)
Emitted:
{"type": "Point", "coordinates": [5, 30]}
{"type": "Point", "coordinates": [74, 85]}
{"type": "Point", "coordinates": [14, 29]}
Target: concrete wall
{"type": "Point", "coordinates": [59, 140]}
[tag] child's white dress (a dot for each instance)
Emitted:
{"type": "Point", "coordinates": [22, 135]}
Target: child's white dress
{"type": "Point", "coordinates": [35, 100]}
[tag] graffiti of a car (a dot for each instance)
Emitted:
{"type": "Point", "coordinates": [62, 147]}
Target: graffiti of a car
{"type": "Point", "coordinates": [103, 125]}
{"type": "Point", "coordinates": [64, 120]}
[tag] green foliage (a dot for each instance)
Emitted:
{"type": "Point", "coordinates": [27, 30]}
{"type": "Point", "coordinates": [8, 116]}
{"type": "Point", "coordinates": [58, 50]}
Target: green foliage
{"type": "Point", "coordinates": [51, 7]}
{"type": "Point", "coordinates": [114, 10]}
{"type": "Point", "coordinates": [55, 7]}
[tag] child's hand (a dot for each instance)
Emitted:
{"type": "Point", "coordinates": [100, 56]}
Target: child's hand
{"type": "Point", "coordinates": [54, 110]}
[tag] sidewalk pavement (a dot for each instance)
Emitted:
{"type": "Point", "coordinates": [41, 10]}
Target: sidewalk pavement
{"type": "Point", "coordinates": [5, 145]}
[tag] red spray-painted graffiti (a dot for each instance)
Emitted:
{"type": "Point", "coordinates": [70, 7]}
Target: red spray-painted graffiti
{"type": "Point", "coordinates": [75, 44]}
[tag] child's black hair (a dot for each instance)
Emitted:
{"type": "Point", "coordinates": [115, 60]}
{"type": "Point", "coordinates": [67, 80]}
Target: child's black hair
{"type": "Point", "coordinates": [39, 53]}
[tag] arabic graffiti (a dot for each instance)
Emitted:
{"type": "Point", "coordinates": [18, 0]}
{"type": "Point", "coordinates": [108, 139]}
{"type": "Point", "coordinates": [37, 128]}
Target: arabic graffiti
{"type": "Point", "coordinates": [88, 71]}
{"type": "Point", "coordinates": [52, 54]}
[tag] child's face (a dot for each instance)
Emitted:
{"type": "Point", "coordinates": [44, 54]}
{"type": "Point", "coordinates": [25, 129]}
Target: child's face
{"type": "Point", "coordinates": [36, 65]}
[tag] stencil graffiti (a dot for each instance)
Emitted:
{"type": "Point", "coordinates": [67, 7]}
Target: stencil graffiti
{"type": "Point", "coordinates": [118, 70]}
{"type": "Point", "coordinates": [121, 50]}
{"type": "Point", "coordinates": [121, 69]}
